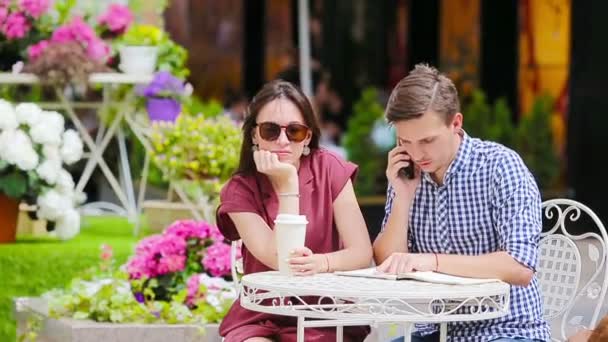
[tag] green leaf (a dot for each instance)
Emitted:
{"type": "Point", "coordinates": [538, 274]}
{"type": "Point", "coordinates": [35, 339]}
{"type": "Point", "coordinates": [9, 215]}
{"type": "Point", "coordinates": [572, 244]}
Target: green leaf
{"type": "Point", "coordinates": [81, 315]}
{"type": "Point", "coordinates": [14, 184]}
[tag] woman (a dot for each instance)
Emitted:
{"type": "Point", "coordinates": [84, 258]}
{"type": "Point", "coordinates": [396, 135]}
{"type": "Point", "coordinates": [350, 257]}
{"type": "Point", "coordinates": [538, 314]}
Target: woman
{"type": "Point", "coordinates": [282, 170]}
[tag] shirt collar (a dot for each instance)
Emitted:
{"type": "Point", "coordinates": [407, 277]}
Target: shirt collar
{"type": "Point", "coordinates": [462, 156]}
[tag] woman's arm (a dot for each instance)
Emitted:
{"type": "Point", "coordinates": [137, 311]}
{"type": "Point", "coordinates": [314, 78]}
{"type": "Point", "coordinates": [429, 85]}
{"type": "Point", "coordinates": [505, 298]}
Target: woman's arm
{"type": "Point", "coordinates": [257, 236]}
{"type": "Point", "coordinates": [253, 230]}
{"type": "Point", "coordinates": [357, 252]}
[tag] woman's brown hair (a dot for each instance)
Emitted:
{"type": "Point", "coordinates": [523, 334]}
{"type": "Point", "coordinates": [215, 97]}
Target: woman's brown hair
{"type": "Point", "coordinates": [271, 91]}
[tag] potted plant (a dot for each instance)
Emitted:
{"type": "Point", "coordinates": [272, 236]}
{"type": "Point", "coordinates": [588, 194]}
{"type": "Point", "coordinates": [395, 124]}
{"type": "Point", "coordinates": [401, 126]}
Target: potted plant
{"type": "Point", "coordinates": [163, 96]}
{"type": "Point", "coordinates": [22, 23]}
{"type": "Point", "coordinates": [190, 284]}
{"type": "Point", "coordinates": [196, 154]}
{"type": "Point", "coordinates": [139, 49]}
{"type": "Point", "coordinates": [34, 148]}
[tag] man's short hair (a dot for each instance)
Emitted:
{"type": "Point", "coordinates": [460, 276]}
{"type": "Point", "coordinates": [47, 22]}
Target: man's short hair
{"type": "Point", "coordinates": [424, 89]}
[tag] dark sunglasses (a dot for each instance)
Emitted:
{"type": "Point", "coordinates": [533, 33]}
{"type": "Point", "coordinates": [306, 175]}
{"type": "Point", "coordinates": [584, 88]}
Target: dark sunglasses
{"type": "Point", "coordinates": [271, 131]}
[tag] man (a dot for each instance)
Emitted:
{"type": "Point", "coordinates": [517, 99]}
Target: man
{"type": "Point", "coordinates": [471, 209]}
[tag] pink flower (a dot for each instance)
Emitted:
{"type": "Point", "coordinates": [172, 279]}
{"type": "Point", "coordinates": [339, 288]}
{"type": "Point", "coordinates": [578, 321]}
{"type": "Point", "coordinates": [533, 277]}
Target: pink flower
{"type": "Point", "coordinates": [193, 285]}
{"type": "Point", "coordinates": [63, 34]}
{"type": "Point", "coordinates": [3, 14]}
{"type": "Point", "coordinates": [35, 50]}
{"type": "Point", "coordinates": [15, 26]}
{"type": "Point", "coordinates": [106, 252]}
{"type": "Point", "coordinates": [217, 259]}
{"type": "Point", "coordinates": [75, 30]}
{"type": "Point", "coordinates": [117, 18]}
{"type": "Point", "coordinates": [190, 229]}
{"type": "Point", "coordinates": [35, 8]}
{"type": "Point", "coordinates": [157, 255]}
{"type": "Point", "coordinates": [98, 50]}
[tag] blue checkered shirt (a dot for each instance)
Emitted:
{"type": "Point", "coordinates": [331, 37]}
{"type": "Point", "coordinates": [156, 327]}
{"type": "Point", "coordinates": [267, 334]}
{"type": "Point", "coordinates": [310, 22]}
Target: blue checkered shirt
{"type": "Point", "coordinates": [489, 202]}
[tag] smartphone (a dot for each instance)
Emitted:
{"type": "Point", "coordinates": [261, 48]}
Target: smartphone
{"type": "Point", "coordinates": [408, 171]}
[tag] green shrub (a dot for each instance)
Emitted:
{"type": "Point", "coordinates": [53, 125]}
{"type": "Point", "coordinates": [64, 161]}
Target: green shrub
{"type": "Point", "coordinates": [360, 147]}
{"type": "Point", "coordinates": [532, 137]}
{"type": "Point", "coordinates": [535, 142]}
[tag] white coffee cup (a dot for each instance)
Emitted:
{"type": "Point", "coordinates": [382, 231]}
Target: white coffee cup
{"type": "Point", "coordinates": [290, 233]}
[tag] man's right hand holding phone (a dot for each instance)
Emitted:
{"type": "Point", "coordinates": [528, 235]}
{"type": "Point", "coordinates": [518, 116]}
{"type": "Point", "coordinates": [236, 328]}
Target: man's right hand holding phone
{"type": "Point", "coordinates": [403, 186]}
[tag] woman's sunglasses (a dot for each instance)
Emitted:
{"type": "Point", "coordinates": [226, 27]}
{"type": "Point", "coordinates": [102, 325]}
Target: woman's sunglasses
{"type": "Point", "coordinates": [271, 131]}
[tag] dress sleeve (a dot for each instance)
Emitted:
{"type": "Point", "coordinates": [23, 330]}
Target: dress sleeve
{"type": "Point", "coordinates": [236, 196]}
{"type": "Point", "coordinates": [340, 171]}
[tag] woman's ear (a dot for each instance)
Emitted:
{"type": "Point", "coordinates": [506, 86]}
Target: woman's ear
{"type": "Point", "coordinates": [253, 137]}
{"type": "Point", "coordinates": [308, 138]}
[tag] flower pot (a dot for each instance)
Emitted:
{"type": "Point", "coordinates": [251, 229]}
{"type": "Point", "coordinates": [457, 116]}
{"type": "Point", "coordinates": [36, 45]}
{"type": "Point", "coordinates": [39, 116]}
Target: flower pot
{"type": "Point", "coordinates": [138, 59]}
{"type": "Point", "coordinates": [163, 109]}
{"type": "Point", "coordinates": [9, 212]}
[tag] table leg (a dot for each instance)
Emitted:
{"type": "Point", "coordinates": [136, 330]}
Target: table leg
{"type": "Point", "coordinates": [443, 332]}
{"type": "Point", "coordinates": [300, 337]}
{"type": "Point", "coordinates": [339, 333]}
{"type": "Point", "coordinates": [142, 193]}
{"type": "Point", "coordinates": [407, 332]}
{"type": "Point", "coordinates": [126, 173]}
{"type": "Point", "coordinates": [96, 152]}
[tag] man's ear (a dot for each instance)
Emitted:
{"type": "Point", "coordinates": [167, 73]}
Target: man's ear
{"type": "Point", "coordinates": [457, 122]}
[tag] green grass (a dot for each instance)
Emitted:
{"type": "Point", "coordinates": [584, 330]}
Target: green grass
{"type": "Point", "coordinates": [32, 266]}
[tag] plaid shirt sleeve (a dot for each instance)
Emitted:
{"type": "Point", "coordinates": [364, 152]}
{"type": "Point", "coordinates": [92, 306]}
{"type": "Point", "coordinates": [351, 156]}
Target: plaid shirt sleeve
{"type": "Point", "coordinates": [390, 195]}
{"type": "Point", "coordinates": [517, 212]}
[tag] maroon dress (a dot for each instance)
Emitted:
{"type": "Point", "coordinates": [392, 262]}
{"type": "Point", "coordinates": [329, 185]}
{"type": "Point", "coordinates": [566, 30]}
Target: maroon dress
{"type": "Point", "coordinates": [322, 176]}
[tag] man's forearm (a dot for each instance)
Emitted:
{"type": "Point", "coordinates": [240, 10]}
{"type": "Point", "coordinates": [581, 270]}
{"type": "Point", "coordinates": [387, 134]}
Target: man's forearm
{"type": "Point", "coordinates": [499, 265]}
{"type": "Point", "coordinates": [394, 237]}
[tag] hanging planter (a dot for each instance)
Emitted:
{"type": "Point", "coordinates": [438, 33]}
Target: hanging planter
{"type": "Point", "coordinates": [138, 59]}
{"type": "Point", "coordinates": [163, 109]}
{"type": "Point", "coordinates": [163, 96]}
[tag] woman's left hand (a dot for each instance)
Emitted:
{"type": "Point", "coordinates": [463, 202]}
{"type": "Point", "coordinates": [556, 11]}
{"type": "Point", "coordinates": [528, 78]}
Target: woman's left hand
{"type": "Point", "coordinates": [304, 262]}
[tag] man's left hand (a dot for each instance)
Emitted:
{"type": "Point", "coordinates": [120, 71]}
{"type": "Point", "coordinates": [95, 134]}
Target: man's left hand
{"type": "Point", "coordinates": [399, 263]}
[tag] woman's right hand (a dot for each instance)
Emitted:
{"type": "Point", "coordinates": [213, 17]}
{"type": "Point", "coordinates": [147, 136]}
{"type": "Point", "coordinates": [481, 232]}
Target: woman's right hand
{"type": "Point", "coordinates": [397, 159]}
{"type": "Point", "coordinates": [279, 172]}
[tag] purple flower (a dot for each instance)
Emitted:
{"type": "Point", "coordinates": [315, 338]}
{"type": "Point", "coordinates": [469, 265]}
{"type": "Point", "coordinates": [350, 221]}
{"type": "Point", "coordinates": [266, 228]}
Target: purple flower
{"type": "Point", "coordinates": [139, 297]}
{"type": "Point", "coordinates": [164, 85]}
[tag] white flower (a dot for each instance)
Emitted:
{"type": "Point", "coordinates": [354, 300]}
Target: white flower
{"type": "Point", "coordinates": [64, 184]}
{"type": "Point", "coordinates": [68, 225]}
{"type": "Point", "coordinates": [17, 149]}
{"type": "Point", "coordinates": [8, 118]}
{"type": "Point", "coordinates": [5, 140]}
{"type": "Point", "coordinates": [72, 148]}
{"type": "Point", "coordinates": [51, 152]}
{"type": "Point", "coordinates": [52, 205]}
{"type": "Point", "coordinates": [48, 129]}
{"type": "Point", "coordinates": [28, 113]}
{"type": "Point", "coordinates": [49, 171]}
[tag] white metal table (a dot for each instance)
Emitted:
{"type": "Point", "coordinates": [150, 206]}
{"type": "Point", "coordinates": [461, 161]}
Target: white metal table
{"type": "Point", "coordinates": [347, 301]}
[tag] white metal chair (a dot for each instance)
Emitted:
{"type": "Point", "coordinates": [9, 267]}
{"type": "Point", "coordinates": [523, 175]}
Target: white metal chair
{"type": "Point", "coordinates": [236, 265]}
{"type": "Point", "coordinates": [573, 267]}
